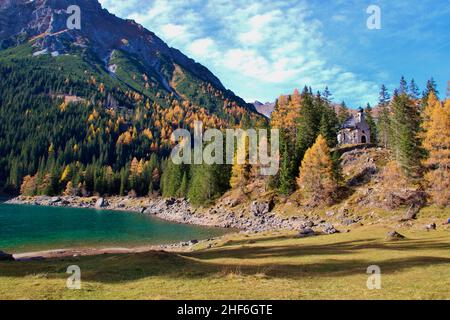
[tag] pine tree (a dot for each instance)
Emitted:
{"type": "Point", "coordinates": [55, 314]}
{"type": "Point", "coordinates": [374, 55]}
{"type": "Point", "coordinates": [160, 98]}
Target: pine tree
{"type": "Point", "coordinates": [317, 182]}
{"type": "Point", "coordinates": [406, 131]}
{"type": "Point", "coordinates": [308, 125]}
{"type": "Point", "coordinates": [384, 122]}
{"type": "Point", "coordinates": [206, 183]}
{"type": "Point", "coordinates": [171, 179]}
{"type": "Point", "coordinates": [430, 87]}
{"type": "Point", "coordinates": [123, 181]}
{"type": "Point", "coordinates": [414, 91]}
{"type": "Point", "coordinates": [286, 174]}
{"type": "Point", "coordinates": [343, 113]}
{"type": "Point", "coordinates": [183, 190]}
{"type": "Point", "coordinates": [329, 125]}
{"type": "Point", "coordinates": [403, 86]}
{"type": "Point", "coordinates": [371, 123]}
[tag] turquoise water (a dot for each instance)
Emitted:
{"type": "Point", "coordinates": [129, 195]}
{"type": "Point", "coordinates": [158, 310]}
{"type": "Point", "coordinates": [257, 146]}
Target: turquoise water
{"type": "Point", "coordinates": [30, 228]}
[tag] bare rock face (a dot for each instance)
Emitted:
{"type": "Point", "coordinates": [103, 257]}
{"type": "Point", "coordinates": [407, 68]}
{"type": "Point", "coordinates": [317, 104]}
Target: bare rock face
{"type": "Point", "coordinates": [46, 22]}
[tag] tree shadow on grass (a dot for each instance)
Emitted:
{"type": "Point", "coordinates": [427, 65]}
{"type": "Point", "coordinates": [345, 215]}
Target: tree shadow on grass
{"type": "Point", "coordinates": [198, 265]}
{"type": "Point", "coordinates": [258, 251]}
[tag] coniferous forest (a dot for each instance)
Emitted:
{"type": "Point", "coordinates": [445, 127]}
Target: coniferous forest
{"type": "Point", "coordinates": [70, 128]}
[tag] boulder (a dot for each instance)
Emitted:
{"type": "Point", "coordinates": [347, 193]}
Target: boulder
{"type": "Point", "coordinates": [55, 200]}
{"type": "Point", "coordinates": [169, 201]}
{"type": "Point", "coordinates": [394, 236]}
{"type": "Point", "coordinates": [259, 209]}
{"type": "Point", "coordinates": [411, 213]}
{"type": "Point", "coordinates": [101, 203]}
{"type": "Point", "coordinates": [6, 256]}
{"type": "Point", "coordinates": [307, 224]}
{"type": "Point", "coordinates": [306, 232]}
{"type": "Point", "coordinates": [328, 228]}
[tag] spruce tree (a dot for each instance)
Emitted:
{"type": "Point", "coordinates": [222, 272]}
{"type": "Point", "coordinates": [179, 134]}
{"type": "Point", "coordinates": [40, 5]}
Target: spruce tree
{"type": "Point", "coordinates": [384, 119]}
{"type": "Point", "coordinates": [308, 125]}
{"type": "Point", "coordinates": [406, 131]}
{"type": "Point", "coordinates": [343, 113]}
{"type": "Point", "coordinates": [286, 177]}
{"type": "Point", "coordinates": [182, 191]}
{"type": "Point", "coordinates": [371, 123]}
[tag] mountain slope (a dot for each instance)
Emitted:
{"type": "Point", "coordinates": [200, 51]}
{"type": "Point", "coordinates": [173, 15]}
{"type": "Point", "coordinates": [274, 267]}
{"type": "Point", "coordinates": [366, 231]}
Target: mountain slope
{"type": "Point", "coordinates": [97, 98]}
{"type": "Point", "coordinates": [43, 24]}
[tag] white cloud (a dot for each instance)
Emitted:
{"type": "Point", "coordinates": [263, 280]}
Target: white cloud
{"type": "Point", "coordinates": [172, 31]}
{"type": "Point", "coordinates": [256, 47]}
{"type": "Point", "coordinates": [204, 48]}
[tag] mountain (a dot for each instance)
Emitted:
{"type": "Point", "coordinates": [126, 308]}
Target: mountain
{"type": "Point", "coordinates": [96, 101]}
{"type": "Point", "coordinates": [114, 41]}
{"type": "Point", "coordinates": [265, 109]}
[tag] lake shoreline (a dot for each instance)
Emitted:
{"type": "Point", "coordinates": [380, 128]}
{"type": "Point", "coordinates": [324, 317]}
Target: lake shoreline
{"type": "Point", "coordinates": [172, 210]}
{"type": "Point", "coordinates": [87, 252]}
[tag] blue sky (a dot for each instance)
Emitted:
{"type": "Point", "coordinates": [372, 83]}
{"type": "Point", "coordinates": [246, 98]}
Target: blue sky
{"type": "Point", "coordinates": [261, 49]}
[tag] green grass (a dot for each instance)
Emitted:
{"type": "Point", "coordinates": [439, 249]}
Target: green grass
{"type": "Point", "coordinates": [271, 266]}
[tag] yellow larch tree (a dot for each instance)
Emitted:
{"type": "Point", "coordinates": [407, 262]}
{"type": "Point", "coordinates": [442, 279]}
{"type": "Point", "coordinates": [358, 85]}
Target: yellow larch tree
{"type": "Point", "coordinates": [317, 183]}
{"type": "Point", "coordinates": [240, 173]}
{"type": "Point", "coordinates": [437, 143]}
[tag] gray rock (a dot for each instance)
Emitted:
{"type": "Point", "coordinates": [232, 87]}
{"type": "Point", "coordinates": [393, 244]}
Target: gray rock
{"type": "Point", "coordinates": [394, 236]}
{"type": "Point", "coordinates": [55, 200]}
{"type": "Point", "coordinates": [259, 209]}
{"type": "Point", "coordinates": [101, 203]}
{"type": "Point", "coordinates": [192, 242]}
{"type": "Point", "coordinates": [306, 232]}
{"type": "Point", "coordinates": [169, 202]}
{"type": "Point", "coordinates": [307, 224]}
{"type": "Point", "coordinates": [6, 256]}
{"type": "Point", "coordinates": [328, 228]}
{"type": "Point", "coordinates": [411, 213]}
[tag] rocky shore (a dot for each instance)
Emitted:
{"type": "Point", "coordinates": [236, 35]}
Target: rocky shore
{"type": "Point", "coordinates": [257, 218]}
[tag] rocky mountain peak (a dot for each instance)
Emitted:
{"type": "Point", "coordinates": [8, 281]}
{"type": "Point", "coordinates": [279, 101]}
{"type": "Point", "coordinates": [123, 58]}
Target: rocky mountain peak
{"type": "Point", "coordinates": [45, 23]}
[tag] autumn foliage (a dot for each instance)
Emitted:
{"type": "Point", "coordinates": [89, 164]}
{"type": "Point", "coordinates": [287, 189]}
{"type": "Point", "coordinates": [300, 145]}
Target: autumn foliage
{"type": "Point", "coordinates": [317, 183]}
{"type": "Point", "coordinates": [437, 144]}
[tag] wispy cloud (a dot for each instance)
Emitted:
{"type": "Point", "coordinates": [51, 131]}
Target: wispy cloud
{"type": "Point", "coordinates": [258, 48]}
